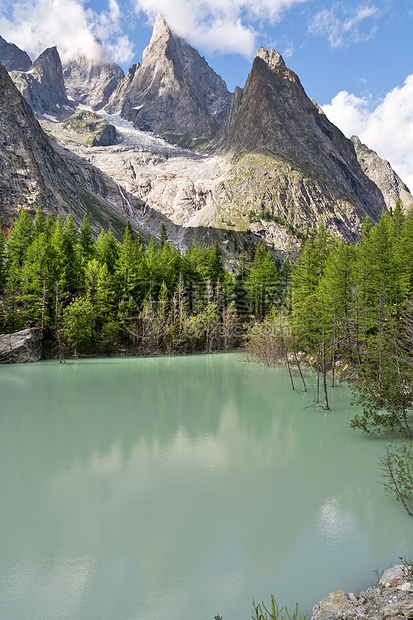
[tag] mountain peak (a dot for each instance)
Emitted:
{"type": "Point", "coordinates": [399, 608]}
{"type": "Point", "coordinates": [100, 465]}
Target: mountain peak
{"type": "Point", "coordinates": [91, 82]}
{"type": "Point", "coordinates": [273, 58]}
{"type": "Point", "coordinates": [13, 58]}
{"type": "Point", "coordinates": [160, 27]}
{"type": "Point", "coordinates": [161, 34]}
{"type": "Point", "coordinates": [174, 92]}
{"type": "Point", "coordinates": [49, 60]}
{"type": "Point", "coordinates": [43, 85]}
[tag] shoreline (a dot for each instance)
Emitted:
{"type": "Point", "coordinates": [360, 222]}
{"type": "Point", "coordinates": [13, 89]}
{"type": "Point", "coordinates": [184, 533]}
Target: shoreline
{"type": "Point", "coordinates": [390, 599]}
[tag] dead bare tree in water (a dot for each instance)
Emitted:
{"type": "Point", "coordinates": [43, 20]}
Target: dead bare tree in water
{"type": "Point", "coordinates": [58, 348]}
{"type": "Point", "coordinates": [326, 403]}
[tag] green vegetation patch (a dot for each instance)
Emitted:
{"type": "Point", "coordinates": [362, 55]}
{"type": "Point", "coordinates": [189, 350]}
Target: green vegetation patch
{"type": "Point", "coordinates": [86, 124]}
{"type": "Point", "coordinates": [267, 216]}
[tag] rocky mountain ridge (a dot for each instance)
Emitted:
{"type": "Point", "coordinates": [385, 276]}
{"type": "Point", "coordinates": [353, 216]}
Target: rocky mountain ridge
{"type": "Point", "coordinates": [173, 91]}
{"type": "Point", "coordinates": [43, 87]}
{"type": "Point", "coordinates": [275, 166]}
{"type": "Point", "coordinates": [13, 58]}
{"type": "Point", "coordinates": [91, 83]}
{"type": "Point", "coordinates": [35, 170]}
{"type": "Point", "coordinates": [382, 174]}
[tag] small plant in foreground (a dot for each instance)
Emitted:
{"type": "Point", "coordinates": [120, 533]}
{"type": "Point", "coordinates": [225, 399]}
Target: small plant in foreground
{"type": "Point", "coordinates": [407, 567]}
{"type": "Point", "coordinates": [260, 612]}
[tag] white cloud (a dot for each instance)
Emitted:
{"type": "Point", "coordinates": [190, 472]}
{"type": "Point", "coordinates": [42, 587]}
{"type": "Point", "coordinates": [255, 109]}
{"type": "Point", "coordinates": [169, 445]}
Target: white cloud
{"type": "Point", "coordinates": [344, 26]}
{"type": "Point", "coordinates": [348, 112]}
{"type": "Point", "coordinates": [34, 25]}
{"type": "Point", "coordinates": [387, 129]}
{"type": "Point", "coordinates": [217, 25]}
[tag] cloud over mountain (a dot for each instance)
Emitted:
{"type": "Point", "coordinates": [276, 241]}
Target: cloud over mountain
{"type": "Point", "coordinates": [388, 128]}
{"type": "Point", "coordinates": [218, 25]}
{"type": "Point", "coordinates": [34, 25]}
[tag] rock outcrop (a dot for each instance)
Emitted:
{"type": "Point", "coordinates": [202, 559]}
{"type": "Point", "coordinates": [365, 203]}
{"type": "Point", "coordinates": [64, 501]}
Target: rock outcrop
{"type": "Point", "coordinates": [21, 347]}
{"type": "Point", "coordinates": [88, 128]}
{"type": "Point", "coordinates": [391, 598]}
{"type": "Point", "coordinates": [174, 92]}
{"type": "Point", "coordinates": [43, 87]}
{"type": "Point", "coordinates": [12, 57]}
{"type": "Point", "coordinates": [383, 175]}
{"type": "Point", "coordinates": [91, 82]}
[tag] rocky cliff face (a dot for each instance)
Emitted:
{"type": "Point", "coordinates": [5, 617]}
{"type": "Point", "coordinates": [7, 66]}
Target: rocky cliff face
{"type": "Point", "coordinates": [383, 175]}
{"type": "Point", "coordinates": [43, 87]}
{"type": "Point", "coordinates": [34, 172]}
{"type": "Point", "coordinates": [296, 163]}
{"type": "Point", "coordinates": [13, 58]}
{"type": "Point", "coordinates": [91, 82]}
{"type": "Point", "coordinates": [174, 91]}
{"type": "Point", "coordinates": [276, 166]}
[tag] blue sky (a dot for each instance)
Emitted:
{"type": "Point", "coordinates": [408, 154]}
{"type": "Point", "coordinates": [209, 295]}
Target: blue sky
{"type": "Point", "coordinates": [354, 58]}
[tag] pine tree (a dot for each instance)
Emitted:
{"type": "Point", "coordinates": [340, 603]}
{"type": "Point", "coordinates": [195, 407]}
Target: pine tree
{"type": "Point", "coordinates": [338, 286]}
{"type": "Point", "coordinates": [64, 243]}
{"type": "Point", "coordinates": [107, 250]}
{"type": "Point", "coordinates": [169, 265]}
{"type": "Point", "coordinates": [164, 235]}
{"type": "Point", "coordinates": [20, 237]}
{"type": "Point", "coordinates": [129, 258]}
{"type": "Point", "coordinates": [86, 242]}
{"type": "Point", "coordinates": [262, 282]}
{"type": "Point", "coordinates": [78, 324]}
{"type": "Point", "coordinates": [38, 276]}
{"type": "Point", "coordinates": [403, 252]}
{"type": "Point", "coordinates": [239, 287]}
{"type": "Point", "coordinates": [39, 221]}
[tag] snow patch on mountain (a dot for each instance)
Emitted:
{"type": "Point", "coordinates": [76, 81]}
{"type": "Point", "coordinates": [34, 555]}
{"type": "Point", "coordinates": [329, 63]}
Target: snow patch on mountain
{"type": "Point", "coordinates": [129, 136]}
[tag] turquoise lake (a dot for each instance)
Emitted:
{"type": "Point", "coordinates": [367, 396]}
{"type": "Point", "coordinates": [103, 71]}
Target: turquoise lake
{"type": "Point", "coordinates": [181, 488]}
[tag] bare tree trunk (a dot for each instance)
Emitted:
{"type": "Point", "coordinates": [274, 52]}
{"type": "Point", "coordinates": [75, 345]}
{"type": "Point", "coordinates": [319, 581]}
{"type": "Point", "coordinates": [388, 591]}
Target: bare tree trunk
{"type": "Point", "coordinates": [288, 365]}
{"type": "Point", "coordinates": [59, 344]}
{"type": "Point", "coordinates": [333, 355]}
{"type": "Point", "coordinates": [43, 298]}
{"type": "Point", "coordinates": [357, 343]}
{"type": "Point", "coordinates": [299, 368]}
{"type": "Point", "coordinates": [327, 406]}
{"type": "Point", "coordinates": [284, 339]}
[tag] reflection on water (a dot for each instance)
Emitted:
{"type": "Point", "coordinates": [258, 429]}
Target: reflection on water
{"type": "Point", "coordinates": [171, 488]}
{"type": "Point", "coordinates": [336, 526]}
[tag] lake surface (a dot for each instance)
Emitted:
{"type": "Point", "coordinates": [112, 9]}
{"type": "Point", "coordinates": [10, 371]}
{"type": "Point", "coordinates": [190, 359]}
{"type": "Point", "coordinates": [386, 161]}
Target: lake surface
{"type": "Point", "coordinates": [181, 488]}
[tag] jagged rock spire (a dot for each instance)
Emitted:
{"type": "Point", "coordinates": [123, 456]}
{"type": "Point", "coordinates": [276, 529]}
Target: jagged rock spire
{"type": "Point", "coordinates": [173, 91]}
{"type": "Point", "coordinates": [13, 58]}
{"type": "Point", "coordinates": [43, 85]}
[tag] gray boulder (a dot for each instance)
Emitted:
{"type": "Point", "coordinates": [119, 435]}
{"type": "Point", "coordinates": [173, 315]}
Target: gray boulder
{"type": "Point", "coordinates": [21, 347]}
{"type": "Point", "coordinates": [395, 572]}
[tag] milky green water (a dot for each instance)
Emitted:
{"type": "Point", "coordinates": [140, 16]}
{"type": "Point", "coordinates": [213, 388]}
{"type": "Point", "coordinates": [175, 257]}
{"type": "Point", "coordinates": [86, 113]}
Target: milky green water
{"type": "Point", "coordinates": [181, 488]}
